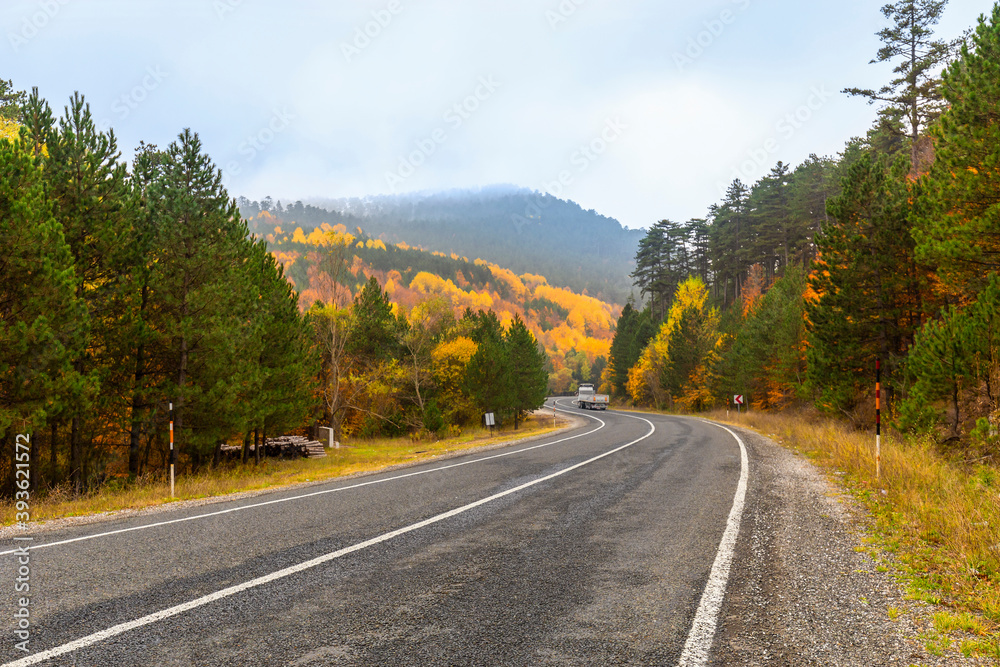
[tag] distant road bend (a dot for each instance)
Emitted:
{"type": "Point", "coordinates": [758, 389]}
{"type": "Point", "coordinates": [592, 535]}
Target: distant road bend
{"type": "Point", "coordinates": [607, 544]}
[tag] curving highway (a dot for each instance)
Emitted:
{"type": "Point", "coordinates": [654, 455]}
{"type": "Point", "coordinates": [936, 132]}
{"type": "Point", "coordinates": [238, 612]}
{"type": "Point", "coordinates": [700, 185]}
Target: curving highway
{"type": "Point", "coordinates": [606, 544]}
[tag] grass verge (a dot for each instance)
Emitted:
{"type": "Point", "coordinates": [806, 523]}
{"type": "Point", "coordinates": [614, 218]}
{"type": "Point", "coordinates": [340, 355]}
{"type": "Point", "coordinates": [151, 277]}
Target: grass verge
{"type": "Point", "coordinates": [937, 515]}
{"type": "Point", "coordinates": [351, 457]}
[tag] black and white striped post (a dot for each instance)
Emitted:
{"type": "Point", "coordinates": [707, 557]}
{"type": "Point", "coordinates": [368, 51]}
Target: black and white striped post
{"type": "Point", "coordinates": [878, 419]}
{"type": "Point", "coordinates": [172, 457]}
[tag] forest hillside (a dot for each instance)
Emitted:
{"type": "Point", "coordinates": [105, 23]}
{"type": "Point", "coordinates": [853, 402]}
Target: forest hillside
{"type": "Point", "coordinates": [330, 264]}
{"type": "Point", "coordinates": [516, 228]}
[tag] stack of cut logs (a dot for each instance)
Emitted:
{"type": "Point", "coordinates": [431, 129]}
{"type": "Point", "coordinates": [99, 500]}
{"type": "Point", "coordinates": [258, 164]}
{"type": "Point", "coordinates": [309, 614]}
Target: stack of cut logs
{"type": "Point", "coordinates": [294, 445]}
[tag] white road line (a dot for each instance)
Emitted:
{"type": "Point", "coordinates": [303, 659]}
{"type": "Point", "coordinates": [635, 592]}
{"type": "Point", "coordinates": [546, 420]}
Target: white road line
{"type": "Point", "coordinates": [89, 640]}
{"type": "Point", "coordinates": [702, 634]}
{"type": "Point", "coordinates": [699, 641]}
{"type": "Point", "coordinates": [36, 547]}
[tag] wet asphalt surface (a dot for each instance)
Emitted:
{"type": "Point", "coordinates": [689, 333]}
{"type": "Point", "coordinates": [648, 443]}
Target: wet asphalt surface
{"type": "Point", "coordinates": [602, 565]}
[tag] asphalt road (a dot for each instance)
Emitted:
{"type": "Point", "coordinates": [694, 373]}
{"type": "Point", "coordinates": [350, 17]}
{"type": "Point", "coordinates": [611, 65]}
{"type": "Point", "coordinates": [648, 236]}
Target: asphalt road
{"type": "Point", "coordinates": [591, 547]}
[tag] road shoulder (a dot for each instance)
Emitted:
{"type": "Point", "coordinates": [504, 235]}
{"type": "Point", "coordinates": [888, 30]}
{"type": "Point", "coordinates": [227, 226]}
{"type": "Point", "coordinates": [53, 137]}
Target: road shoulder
{"type": "Point", "coordinates": [803, 590]}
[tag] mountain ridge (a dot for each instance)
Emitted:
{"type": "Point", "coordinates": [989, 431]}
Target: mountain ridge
{"type": "Point", "coordinates": [520, 229]}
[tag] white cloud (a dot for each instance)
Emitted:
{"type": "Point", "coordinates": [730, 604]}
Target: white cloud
{"type": "Point", "coordinates": [689, 128]}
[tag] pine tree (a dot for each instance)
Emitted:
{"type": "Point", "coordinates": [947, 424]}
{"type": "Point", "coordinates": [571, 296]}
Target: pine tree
{"type": "Point", "coordinates": [136, 345]}
{"type": "Point", "coordinates": [528, 378]}
{"type": "Point", "coordinates": [200, 296]}
{"type": "Point", "coordinates": [938, 362]}
{"type": "Point", "coordinates": [956, 360]}
{"type": "Point", "coordinates": [285, 368]}
{"type": "Point", "coordinates": [957, 226]}
{"type": "Point", "coordinates": [43, 322]}
{"type": "Point", "coordinates": [631, 335]}
{"type": "Point", "coordinates": [774, 236]}
{"type": "Point", "coordinates": [488, 380]}
{"type": "Point", "coordinates": [88, 186]}
{"type": "Point", "coordinates": [11, 101]}
{"type": "Point", "coordinates": [661, 263]}
{"type": "Point", "coordinates": [912, 100]}
{"type": "Point", "coordinates": [766, 359]}
{"type": "Point", "coordinates": [872, 295]}
{"type": "Point", "coordinates": [814, 183]}
{"type": "Point", "coordinates": [374, 335]}
{"type": "Point", "coordinates": [728, 233]}
{"type": "Point", "coordinates": [982, 342]}
{"type": "Point", "coordinates": [696, 231]}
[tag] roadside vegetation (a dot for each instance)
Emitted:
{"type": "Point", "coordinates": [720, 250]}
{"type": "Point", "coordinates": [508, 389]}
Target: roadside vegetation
{"type": "Point", "coordinates": [797, 287]}
{"type": "Point", "coordinates": [355, 456]}
{"type": "Point", "coordinates": [934, 519]}
{"type": "Point", "coordinates": [135, 303]}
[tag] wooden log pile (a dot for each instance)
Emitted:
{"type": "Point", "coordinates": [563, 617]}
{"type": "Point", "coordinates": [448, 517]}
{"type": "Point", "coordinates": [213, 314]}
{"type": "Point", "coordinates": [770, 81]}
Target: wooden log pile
{"type": "Point", "coordinates": [294, 445]}
{"type": "Point", "coordinates": [289, 446]}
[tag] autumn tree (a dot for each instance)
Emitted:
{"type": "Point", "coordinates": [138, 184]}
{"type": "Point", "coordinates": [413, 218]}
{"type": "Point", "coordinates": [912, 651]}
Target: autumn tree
{"type": "Point", "coordinates": [11, 109]}
{"type": "Point", "coordinates": [765, 359]}
{"type": "Point", "coordinates": [331, 327]}
{"type": "Point", "coordinates": [676, 361]}
{"type": "Point", "coordinates": [450, 361]}
{"type": "Point", "coordinates": [427, 325]}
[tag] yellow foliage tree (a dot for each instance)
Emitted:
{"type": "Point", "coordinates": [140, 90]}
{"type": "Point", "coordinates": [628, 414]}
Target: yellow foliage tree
{"type": "Point", "coordinates": [449, 359]}
{"type": "Point", "coordinates": [674, 364]}
{"type": "Point", "coordinates": [8, 129]}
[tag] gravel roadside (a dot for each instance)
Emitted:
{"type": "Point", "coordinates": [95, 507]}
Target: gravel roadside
{"type": "Point", "coordinates": [800, 593]}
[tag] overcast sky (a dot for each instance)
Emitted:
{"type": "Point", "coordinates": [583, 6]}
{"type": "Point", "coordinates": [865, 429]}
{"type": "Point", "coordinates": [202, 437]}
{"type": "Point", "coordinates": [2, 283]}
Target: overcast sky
{"type": "Point", "coordinates": [640, 109]}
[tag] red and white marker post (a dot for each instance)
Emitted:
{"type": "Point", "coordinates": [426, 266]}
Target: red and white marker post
{"type": "Point", "coordinates": [171, 450]}
{"type": "Point", "coordinates": [878, 419]}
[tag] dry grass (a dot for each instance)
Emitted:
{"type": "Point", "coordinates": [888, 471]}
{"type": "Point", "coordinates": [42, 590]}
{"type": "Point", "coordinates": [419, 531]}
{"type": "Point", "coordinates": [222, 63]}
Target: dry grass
{"type": "Point", "coordinates": [352, 457]}
{"type": "Point", "coordinates": [939, 516]}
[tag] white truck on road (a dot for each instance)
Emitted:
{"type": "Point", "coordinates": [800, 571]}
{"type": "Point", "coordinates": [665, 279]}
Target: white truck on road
{"type": "Point", "coordinates": [588, 398]}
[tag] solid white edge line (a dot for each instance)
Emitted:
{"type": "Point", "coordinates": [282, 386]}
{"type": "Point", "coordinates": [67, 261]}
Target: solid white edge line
{"type": "Point", "coordinates": [699, 641]}
{"type": "Point", "coordinates": [96, 637]}
{"type": "Point", "coordinates": [83, 538]}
